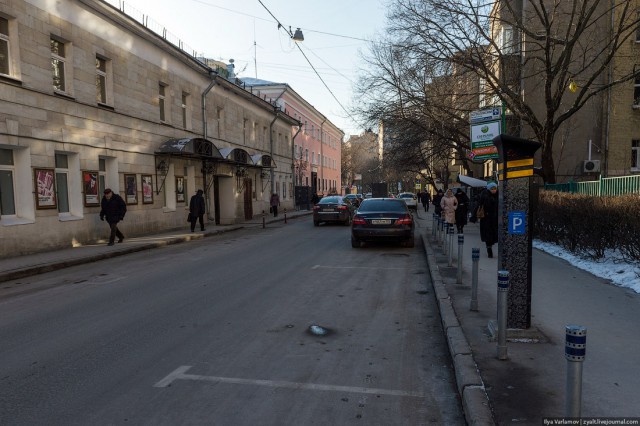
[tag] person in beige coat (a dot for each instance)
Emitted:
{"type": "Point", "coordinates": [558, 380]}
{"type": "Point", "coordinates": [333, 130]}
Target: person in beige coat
{"type": "Point", "coordinates": [449, 204]}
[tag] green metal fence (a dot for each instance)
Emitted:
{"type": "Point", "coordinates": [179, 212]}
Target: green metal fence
{"type": "Point", "coordinates": [601, 187]}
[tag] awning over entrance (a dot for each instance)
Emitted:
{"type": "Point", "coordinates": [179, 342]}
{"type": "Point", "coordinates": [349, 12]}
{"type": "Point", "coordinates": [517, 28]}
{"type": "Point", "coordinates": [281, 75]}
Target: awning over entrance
{"type": "Point", "coordinates": [473, 182]}
{"type": "Point", "coordinates": [190, 147]}
{"type": "Point", "coordinates": [237, 155]}
{"type": "Point", "coordinates": [263, 160]}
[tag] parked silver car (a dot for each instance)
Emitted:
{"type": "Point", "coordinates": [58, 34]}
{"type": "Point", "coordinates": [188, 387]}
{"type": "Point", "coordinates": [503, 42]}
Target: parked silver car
{"type": "Point", "coordinates": [410, 198]}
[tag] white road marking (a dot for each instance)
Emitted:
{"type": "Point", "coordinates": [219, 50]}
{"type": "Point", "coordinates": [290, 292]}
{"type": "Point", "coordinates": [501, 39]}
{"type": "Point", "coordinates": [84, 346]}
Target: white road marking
{"type": "Point", "coordinates": [179, 374]}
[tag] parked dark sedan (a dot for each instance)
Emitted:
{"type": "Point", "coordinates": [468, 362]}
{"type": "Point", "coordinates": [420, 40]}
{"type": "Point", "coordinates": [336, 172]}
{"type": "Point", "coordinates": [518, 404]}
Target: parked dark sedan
{"type": "Point", "coordinates": [333, 208]}
{"type": "Point", "coordinates": [382, 219]}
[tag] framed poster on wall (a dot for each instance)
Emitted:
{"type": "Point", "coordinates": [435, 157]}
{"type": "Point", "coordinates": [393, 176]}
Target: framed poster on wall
{"type": "Point", "coordinates": [130, 189]}
{"type": "Point", "coordinates": [45, 188]}
{"type": "Point", "coordinates": [147, 189]}
{"type": "Point", "coordinates": [180, 189]}
{"type": "Point", "coordinates": [90, 182]}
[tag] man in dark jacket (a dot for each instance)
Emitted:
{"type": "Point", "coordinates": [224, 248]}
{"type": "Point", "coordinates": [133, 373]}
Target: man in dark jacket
{"type": "Point", "coordinates": [196, 209]}
{"type": "Point", "coordinates": [113, 208]}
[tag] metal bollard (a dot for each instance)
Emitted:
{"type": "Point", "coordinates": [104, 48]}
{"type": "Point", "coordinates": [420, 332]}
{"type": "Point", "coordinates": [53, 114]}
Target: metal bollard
{"type": "Point", "coordinates": [285, 215]}
{"type": "Point", "coordinates": [460, 246]}
{"type": "Point", "coordinates": [475, 258]}
{"type": "Point", "coordinates": [574, 350]}
{"type": "Point", "coordinates": [450, 232]}
{"type": "Point", "coordinates": [445, 237]}
{"type": "Point", "coordinates": [503, 291]}
{"type": "Point", "coordinates": [433, 226]}
{"type": "Point", "coordinates": [263, 220]}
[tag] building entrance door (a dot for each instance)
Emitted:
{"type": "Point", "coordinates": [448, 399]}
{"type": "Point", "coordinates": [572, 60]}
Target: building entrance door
{"type": "Point", "coordinates": [248, 200]}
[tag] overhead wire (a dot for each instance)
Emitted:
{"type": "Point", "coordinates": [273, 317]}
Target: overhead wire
{"type": "Point", "coordinates": [312, 66]}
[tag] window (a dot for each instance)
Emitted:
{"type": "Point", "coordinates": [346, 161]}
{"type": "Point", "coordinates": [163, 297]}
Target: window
{"type": "Point", "coordinates": [161, 99]}
{"type": "Point", "coordinates": [284, 190]}
{"type": "Point", "coordinates": [635, 155]}
{"type": "Point", "coordinates": [7, 191]}
{"type": "Point", "coordinates": [505, 41]}
{"type": "Point", "coordinates": [636, 93]}
{"type": "Point", "coordinates": [62, 182]}
{"type": "Point", "coordinates": [185, 98]}
{"type": "Point", "coordinates": [101, 80]}
{"type": "Point", "coordinates": [4, 46]}
{"type": "Point", "coordinates": [58, 58]}
{"type": "Point", "coordinates": [306, 155]}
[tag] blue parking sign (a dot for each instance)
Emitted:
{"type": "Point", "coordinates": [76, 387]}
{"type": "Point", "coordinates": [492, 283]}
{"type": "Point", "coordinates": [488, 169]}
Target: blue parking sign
{"type": "Point", "coordinates": [517, 222]}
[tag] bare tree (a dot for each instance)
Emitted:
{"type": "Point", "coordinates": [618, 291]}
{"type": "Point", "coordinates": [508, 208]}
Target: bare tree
{"type": "Point", "coordinates": [546, 47]}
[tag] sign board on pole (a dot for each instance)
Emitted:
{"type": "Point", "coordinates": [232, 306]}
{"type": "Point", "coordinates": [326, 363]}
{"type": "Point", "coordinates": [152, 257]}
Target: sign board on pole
{"type": "Point", "coordinates": [485, 125]}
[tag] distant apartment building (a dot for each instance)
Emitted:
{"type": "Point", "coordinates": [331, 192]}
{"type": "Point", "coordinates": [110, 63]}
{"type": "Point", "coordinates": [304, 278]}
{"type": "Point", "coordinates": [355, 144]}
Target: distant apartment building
{"type": "Point", "coordinates": [91, 98]}
{"type": "Point", "coordinates": [603, 137]}
{"type": "Point", "coordinates": [316, 148]}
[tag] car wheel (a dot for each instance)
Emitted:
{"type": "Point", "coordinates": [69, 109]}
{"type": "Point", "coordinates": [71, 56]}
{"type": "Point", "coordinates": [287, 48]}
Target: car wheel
{"type": "Point", "coordinates": [316, 223]}
{"type": "Point", "coordinates": [355, 243]}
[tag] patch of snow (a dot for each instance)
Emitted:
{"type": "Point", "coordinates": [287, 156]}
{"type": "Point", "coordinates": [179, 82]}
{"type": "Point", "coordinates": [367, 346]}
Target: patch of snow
{"type": "Point", "coordinates": [623, 274]}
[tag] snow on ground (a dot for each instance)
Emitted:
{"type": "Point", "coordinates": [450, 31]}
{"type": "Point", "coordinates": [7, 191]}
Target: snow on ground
{"type": "Point", "coordinates": [620, 273]}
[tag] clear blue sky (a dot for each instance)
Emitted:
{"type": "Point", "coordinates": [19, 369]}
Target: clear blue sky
{"type": "Point", "coordinates": [224, 29]}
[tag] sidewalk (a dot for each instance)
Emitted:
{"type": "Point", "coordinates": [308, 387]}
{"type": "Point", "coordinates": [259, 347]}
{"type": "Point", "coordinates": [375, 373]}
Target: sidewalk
{"type": "Point", "coordinates": [14, 268]}
{"type": "Point", "coordinates": [531, 384]}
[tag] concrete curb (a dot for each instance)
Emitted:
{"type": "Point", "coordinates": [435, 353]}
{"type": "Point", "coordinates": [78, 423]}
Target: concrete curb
{"type": "Point", "coordinates": [475, 401]}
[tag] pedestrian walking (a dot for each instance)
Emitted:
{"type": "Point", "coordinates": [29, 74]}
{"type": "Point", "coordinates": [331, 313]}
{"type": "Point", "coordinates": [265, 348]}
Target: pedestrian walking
{"type": "Point", "coordinates": [425, 199]}
{"type": "Point", "coordinates": [113, 208]}
{"type": "Point", "coordinates": [462, 212]}
{"type": "Point", "coordinates": [274, 203]}
{"type": "Point", "coordinates": [436, 201]}
{"type": "Point", "coordinates": [487, 212]}
{"type": "Point", "coordinates": [315, 198]}
{"type": "Point", "coordinates": [449, 204]}
{"type": "Point", "coordinates": [196, 210]}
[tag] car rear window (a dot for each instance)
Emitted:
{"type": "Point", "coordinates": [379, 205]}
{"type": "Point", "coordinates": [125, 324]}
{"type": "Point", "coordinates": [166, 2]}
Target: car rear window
{"type": "Point", "coordinates": [331, 200]}
{"type": "Point", "coordinates": [406, 196]}
{"type": "Point", "coordinates": [382, 205]}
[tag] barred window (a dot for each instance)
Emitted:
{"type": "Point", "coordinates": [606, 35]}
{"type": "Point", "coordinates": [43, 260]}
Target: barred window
{"type": "Point", "coordinates": [58, 59]}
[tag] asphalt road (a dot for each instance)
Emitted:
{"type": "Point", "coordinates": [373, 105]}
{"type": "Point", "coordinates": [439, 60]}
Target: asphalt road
{"type": "Point", "coordinates": [217, 332]}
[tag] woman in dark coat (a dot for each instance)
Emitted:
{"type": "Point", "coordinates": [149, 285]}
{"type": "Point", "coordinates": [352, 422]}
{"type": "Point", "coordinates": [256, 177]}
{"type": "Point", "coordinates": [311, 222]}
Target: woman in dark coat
{"type": "Point", "coordinates": [462, 211]}
{"type": "Point", "coordinates": [489, 223]}
{"type": "Point", "coordinates": [436, 201]}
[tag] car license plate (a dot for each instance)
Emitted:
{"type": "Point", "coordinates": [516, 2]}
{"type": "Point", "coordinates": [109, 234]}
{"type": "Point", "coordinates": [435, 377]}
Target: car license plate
{"type": "Point", "coordinates": [327, 210]}
{"type": "Point", "coordinates": [380, 222]}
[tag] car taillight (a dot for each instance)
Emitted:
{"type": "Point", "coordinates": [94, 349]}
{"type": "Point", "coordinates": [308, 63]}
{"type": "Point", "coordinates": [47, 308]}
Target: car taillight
{"type": "Point", "coordinates": [343, 208]}
{"type": "Point", "coordinates": [405, 220]}
{"type": "Point", "coordinates": [357, 220]}
{"type": "Point", "coordinates": [316, 207]}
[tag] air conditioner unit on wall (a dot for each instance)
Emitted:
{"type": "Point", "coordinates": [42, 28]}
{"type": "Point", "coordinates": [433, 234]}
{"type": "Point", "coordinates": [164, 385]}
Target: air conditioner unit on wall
{"type": "Point", "coordinates": [591, 166]}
